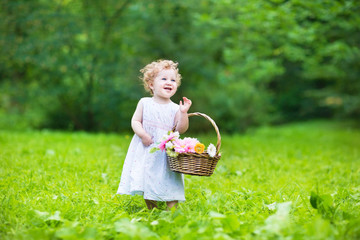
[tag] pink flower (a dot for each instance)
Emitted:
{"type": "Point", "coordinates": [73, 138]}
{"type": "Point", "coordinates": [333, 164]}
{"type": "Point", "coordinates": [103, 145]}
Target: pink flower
{"type": "Point", "coordinates": [179, 146]}
{"type": "Point", "coordinates": [169, 137]}
{"type": "Point", "coordinates": [162, 145]}
{"type": "Point", "coordinates": [185, 145]}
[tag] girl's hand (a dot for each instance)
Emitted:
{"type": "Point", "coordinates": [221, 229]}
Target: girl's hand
{"type": "Point", "coordinates": [184, 108]}
{"type": "Point", "coordinates": [147, 140]}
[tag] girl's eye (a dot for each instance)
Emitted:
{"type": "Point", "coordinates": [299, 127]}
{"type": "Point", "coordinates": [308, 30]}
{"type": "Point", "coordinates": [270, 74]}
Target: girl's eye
{"type": "Point", "coordinates": [173, 80]}
{"type": "Point", "coordinates": [163, 79]}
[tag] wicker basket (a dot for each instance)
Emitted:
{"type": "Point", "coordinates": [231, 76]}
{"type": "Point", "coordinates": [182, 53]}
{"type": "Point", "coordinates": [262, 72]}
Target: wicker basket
{"type": "Point", "coordinates": [195, 163]}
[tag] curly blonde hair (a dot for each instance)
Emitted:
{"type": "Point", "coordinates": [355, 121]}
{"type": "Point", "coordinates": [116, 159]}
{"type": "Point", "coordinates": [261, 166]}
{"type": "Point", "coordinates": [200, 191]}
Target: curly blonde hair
{"type": "Point", "coordinates": [151, 70]}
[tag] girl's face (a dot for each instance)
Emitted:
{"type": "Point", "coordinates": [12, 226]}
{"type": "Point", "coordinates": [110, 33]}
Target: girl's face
{"type": "Point", "coordinates": [164, 85]}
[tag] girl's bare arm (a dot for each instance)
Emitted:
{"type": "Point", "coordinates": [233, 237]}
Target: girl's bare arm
{"type": "Point", "coordinates": [181, 117]}
{"type": "Point", "coordinates": [136, 124]}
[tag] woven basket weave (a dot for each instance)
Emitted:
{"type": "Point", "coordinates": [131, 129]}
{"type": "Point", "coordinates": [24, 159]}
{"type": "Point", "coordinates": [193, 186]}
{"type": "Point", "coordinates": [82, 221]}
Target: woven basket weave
{"type": "Point", "coordinates": [195, 163]}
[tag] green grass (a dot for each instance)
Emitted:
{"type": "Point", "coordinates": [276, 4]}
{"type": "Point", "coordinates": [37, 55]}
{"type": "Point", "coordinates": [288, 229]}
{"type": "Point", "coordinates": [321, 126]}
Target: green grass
{"type": "Point", "coordinates": [58, 185]}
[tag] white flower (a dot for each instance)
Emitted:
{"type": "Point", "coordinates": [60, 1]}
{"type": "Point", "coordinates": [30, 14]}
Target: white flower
{"type": "Point", "coordinates": [169, 145]}
{"type": "Point", "coordinates": [176, 134]}
{"type": "Point", "coordinates": [271, 206]}
{"type": "Point", "coordinates": [211, 150]}
{"type": "Point", "coordinates": [50, 152]}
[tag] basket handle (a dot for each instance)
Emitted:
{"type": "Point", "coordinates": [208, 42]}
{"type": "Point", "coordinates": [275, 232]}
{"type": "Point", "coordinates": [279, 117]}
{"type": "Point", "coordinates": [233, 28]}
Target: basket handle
{"type": "Point", "coordinates": [218, 144]}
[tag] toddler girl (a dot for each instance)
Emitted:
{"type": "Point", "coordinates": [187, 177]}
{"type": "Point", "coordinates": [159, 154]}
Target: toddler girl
{"type": "Point", "coordinates": [145, 173]}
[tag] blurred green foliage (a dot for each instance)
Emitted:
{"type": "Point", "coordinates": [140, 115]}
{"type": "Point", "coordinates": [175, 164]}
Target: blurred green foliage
{"type": "Point", "coordinates": [75, 64]}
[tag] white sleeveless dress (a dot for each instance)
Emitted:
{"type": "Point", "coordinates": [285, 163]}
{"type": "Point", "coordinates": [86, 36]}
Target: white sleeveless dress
{"type": "Point", "coordinates": [147, 173]}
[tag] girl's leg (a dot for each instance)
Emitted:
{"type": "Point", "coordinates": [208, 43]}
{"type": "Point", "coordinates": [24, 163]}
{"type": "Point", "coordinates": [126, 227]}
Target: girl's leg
{"type": "Point", "coordinates": [150, 204]}
{"type": "Point", "coordinates": [171, 204]}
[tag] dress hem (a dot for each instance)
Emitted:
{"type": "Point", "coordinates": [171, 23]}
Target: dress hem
{"type": "Point", "coordinates": [141, 193]}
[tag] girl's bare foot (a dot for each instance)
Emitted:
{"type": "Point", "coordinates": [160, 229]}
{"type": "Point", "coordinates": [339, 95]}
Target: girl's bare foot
{"type": "Point", "coordinates": [171, 204]}
{"type": "Point", "coordinates": [151, 204]}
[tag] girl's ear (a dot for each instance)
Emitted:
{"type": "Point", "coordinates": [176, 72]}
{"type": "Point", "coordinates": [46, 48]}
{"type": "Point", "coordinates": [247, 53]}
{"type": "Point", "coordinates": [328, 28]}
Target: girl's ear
{"type": "Point", "coordinates": [151, 86]}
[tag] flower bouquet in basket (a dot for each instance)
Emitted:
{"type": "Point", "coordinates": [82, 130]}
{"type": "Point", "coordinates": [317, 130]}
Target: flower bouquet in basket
{"type": "Point", "coordinates": [189, 155]}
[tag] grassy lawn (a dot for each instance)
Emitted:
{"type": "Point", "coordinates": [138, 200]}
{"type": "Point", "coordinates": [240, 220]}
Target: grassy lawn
{"type": "Point", "coordinates": [57, 185]}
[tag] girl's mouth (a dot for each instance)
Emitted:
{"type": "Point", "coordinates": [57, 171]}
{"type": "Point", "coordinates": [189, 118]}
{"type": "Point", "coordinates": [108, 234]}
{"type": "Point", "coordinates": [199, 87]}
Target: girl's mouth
{"type": "Point", "coordinates": [168, 88]}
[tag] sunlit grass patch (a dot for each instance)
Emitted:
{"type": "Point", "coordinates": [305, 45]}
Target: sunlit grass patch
{"type": "Point", "coordinates": [62, 186]}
